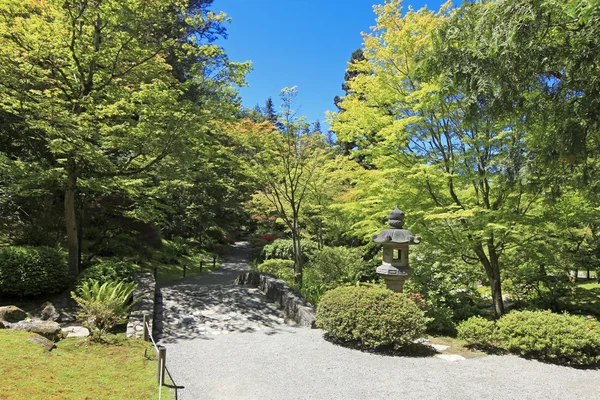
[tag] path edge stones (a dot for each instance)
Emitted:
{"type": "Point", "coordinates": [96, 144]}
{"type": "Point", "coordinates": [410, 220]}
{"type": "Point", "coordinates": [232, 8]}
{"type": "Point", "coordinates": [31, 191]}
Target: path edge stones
{"type": "Point", "coordinates": [296, 307]}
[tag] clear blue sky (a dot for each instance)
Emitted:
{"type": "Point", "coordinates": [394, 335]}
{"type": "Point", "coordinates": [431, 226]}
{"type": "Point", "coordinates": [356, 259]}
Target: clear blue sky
{"type": "Point", "coordinates": [304, 43]}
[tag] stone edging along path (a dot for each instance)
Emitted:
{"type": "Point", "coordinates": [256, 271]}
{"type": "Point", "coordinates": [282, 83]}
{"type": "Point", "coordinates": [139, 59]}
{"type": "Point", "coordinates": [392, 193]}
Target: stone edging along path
{"type": "Point", "coordinates": [144, 296]}
{"type": "Point", "coordinates": [294, 305]}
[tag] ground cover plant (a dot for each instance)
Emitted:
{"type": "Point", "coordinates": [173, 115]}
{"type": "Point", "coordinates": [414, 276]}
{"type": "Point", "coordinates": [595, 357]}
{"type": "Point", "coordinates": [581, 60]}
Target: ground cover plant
{"type": "Point", "coordinates": [75, 371]}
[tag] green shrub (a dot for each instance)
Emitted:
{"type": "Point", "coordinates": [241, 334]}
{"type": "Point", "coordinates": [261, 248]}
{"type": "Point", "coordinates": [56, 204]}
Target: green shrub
{"type": "Point", "coordinates": [371, 316]}
{"type": "Point", "coordinates": [103, 305]}
{"type": "Point", "coordinates": [283, 249]}
{"type": "Point", "coordinates": [479, 333]}
{"type": "Point", "coordinates": [556, 338]}
{"type": "Point", "coordinates": [108, 270]}
{"type": "Point", "coordinates": [543, 335]}
{"type": "Point", "coordinates": [32, 271]}
{"type": "Point", "coordinates": [282, 269]}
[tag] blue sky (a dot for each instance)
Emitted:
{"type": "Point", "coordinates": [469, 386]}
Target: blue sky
{"type": "Point", "coordinates": [304, 43]}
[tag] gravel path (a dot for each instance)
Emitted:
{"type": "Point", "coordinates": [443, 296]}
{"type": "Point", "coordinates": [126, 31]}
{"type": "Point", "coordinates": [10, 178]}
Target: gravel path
{"type": "Point", "coordinates": [227, 342]}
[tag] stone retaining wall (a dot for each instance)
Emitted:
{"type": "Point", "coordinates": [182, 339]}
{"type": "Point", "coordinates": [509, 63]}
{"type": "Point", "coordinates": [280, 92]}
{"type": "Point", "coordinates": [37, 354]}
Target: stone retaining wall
{"type": "Point", "coordinates": [144, 295]}
{"type": "Point", "coordinates": [295, 306]}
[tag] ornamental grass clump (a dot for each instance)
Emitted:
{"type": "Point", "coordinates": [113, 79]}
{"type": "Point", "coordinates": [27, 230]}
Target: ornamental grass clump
{"type": "Point", "coordinates": [103, 305]}
{"type": "Point", "coordinates": [372, 317]}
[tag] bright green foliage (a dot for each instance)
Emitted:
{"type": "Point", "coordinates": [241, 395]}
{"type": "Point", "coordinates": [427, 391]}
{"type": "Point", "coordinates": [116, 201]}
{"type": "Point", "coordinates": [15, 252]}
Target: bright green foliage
{"type": "Point", "coordinates": [543, 335]}
{"type": "Point", "coordinates": [108, 270]}
{"type": "Point", "coordinates": [103, 305]}
{"type": "Point", "coordinates": [282, 269]}
{"type": "Point", "coordinates": [32, 271]}
{"type": "Point", "coordinates": [479, 333]}
{"type": "Point", "coordinates": [283, 249]}
{"type": "Point", "coordinates": [372, 317]}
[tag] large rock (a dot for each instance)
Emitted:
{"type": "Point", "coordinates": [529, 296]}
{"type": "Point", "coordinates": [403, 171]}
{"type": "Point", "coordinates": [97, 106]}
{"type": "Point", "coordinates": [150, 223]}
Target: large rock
{"type": "Point", "coordinates": [48, 329]}
{"type": "Point", "coordinates": [42, 341]}
{"type": "Point", "coordinates": [2, 326]}
{"type": "Point", "coordinates": [12, 314]}
{"type": "Point", "coordinates": [48, 312]}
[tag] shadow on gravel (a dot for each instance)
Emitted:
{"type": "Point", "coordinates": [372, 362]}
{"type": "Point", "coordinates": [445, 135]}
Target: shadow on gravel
{"type": "Point", "coordinates": [413, 350]}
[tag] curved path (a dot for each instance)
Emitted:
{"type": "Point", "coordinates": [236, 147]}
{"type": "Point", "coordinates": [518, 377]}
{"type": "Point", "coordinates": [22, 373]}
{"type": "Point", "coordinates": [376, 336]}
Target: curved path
{"type": "Point", "coordinates": [227, 342]}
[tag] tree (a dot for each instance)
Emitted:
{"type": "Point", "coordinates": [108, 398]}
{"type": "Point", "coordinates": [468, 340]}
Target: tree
{"type": "Point", "coordinates": [285, 163]}
{"type": "Point", "coordinates": [109, 89]}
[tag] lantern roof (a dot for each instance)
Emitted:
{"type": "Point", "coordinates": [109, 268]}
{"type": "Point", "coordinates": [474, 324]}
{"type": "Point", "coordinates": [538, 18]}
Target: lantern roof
{"type": "Point", "coordinates": [395, 234]}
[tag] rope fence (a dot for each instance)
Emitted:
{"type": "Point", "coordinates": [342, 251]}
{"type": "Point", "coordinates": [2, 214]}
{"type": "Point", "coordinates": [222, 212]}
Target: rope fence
{"type": "Point", "coordinates": [161, 353]}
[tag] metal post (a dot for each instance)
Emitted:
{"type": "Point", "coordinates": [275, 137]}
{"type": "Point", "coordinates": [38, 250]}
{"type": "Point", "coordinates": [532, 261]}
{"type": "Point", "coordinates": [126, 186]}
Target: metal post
{"type": "Point", "coordinates": [184, 268]}
{"type": "Point", "coordinates": [162, 359]}
{"type": "Point", "coordinates": [146, 327]}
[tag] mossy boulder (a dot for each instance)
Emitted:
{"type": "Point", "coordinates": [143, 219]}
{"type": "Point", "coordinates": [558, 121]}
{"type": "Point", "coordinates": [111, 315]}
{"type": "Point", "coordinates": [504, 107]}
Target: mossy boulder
{"type": "Point", "coordinates": [12, 314]}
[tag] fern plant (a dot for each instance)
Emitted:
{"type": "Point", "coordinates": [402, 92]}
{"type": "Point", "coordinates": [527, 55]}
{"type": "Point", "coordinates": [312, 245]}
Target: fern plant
{"type": "Point", "coordinates": [103, 306]}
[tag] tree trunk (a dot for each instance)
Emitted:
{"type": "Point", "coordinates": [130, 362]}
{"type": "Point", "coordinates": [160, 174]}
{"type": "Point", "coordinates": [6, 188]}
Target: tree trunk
{"type": "Point", "coordinates": [492, 270]}
{"type": "Point", "coordinates": [71, 220]}
{"type": "Point", "coordinates": [297, 250]}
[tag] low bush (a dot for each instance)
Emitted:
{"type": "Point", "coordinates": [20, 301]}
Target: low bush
{"type": "Point", "coordinates": [542, 335]}
{"type": "Point", "coordinates": [282, 269]}
{"type": "Point", "coordinates": [372, 317]}
{"type": "Point", "coordinates": [108, 270]}
{"type": "Point", "coordinates": [556, 338]}
{"type": "Point", "coordinates": [32, 271]}
{"type": "Point", "coordinates": [103, 305]}
{"type": "Point", "coordinates": [479, 333]}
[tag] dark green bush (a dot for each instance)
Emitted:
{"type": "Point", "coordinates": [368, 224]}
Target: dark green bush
{"type": "Point", "coordinates": [479, 333]}
{"type": "Point", "coordinates": [32, 271]}
{"type": "Point", "coordinates": [543, 335]}
{"type": "Point", "coordinates": [108, 270]}
{"type": "Point", "coordinates": [371, 316]}
{"type": "Point", "coordinates": [556, 338]}
{"type": "Point", "coordinates": [282, 269]}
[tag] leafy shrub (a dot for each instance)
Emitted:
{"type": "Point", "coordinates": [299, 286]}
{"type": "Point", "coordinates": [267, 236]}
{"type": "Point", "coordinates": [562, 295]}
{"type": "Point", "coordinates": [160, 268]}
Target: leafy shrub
{"type": "Point", "coordinates": [103, 305]}
{"type": "Point", "coordinates": [283, 249]}
{"type": "Point", "coordinates": [172, 250]}
{"type": "Point", "coordinates": [108, 270]}
{"type": "Point", "coordinates": [543, 335]}
{"type": "Point", "coordinates": [282, 269]}
{"type": "Point", "coordinates": [32, 271]}
{"type": "Point", "coordinates": [479, 333]}
{"type": "Point", "coordinates": [557, 338]}
{"type": "Point", "coordinates": [373, 317]}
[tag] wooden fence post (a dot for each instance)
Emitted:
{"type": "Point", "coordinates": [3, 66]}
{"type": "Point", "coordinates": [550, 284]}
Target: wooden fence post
{"type": "Point", "coordinates": [145, 324]}
{"type": "Point", "coordinates": [214, 261]}
{"type": "Point", "coordinates": [162, 360]}
{"type": "Point", "coordinates": [184, 268]}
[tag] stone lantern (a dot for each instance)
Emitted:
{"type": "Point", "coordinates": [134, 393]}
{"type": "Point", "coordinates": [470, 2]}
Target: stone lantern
{"type": "Point", "coordinates": [395, 241]}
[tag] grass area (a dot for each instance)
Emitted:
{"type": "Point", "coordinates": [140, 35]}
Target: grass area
{"type": "Point", "coordinates": [455, 346]}
{"type": "Point", "coordinates": [171, 271]}
{"type": "Point", "coordinates": [75, 370]}
{"type": "Point", "coordinates": [586, 299]}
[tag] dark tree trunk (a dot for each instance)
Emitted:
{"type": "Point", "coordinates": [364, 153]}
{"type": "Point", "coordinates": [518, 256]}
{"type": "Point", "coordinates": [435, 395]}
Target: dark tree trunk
{"type": "Point", "coordinates": [71, 220]}
{"type": "Point", "coordinates": [492, 270]}
{"type": "Point", "coordinates": [297, 250]}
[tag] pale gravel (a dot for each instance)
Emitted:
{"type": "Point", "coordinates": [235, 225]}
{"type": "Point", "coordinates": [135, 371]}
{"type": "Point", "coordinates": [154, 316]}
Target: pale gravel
{"type": "Point", "coordinates": [275, 361]}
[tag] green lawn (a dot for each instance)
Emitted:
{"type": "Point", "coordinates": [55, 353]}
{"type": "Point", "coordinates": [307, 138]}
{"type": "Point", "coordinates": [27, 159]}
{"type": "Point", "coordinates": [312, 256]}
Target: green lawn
{"type": "Point", "coordinates": [75, 370]}
{"type": "Point", "coordinates": [171, 271]}
{"type": "Point", "coordinates": [586, 299]}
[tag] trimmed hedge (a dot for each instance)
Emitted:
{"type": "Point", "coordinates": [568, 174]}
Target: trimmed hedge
{"type": "Point", "coordinates": [542, 335]}
{"type": "Point", "coordinates": [108, 270]}
{"type": "Point", "coordinates": [374, 317]}
{"type": "Point", "coordinates": [32, 271]}
{"type": "Point", "coordinates": [282, 269]}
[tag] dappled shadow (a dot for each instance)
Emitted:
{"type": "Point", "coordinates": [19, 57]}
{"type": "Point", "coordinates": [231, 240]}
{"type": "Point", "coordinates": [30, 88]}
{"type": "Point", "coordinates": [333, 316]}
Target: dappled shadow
{"type": "Point", "coordinates": [205, 306]}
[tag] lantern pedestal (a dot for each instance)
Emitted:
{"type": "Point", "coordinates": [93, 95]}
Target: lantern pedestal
{"type": "Point", "coordinates": [394, 277]}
